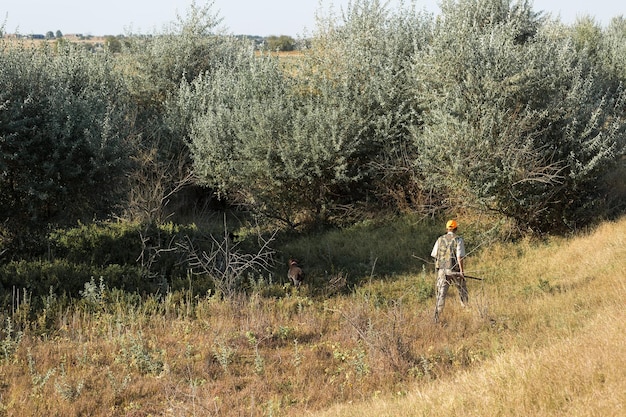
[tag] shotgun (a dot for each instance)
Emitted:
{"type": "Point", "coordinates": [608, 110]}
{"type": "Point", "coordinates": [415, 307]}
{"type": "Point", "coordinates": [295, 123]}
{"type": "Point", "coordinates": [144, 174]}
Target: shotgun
{"type": "Point", "coordinates": [471, 277]}
{"type": "Point", "coordinates": [457, 274]}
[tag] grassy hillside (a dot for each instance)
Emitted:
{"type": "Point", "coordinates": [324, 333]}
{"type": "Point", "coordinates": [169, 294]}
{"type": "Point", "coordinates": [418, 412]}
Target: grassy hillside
{"type": "Point", "coordinates": [556, 344]}
{"type": "Point", "coordinates": [543, 336]}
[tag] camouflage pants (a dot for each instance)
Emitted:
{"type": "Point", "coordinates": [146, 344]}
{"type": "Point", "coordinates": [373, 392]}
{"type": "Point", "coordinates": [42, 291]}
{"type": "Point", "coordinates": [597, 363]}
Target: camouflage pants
{"type": "Point", "coordinates": [445, 277]}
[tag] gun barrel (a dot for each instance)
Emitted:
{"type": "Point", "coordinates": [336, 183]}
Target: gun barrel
{"type": "Point", "coordinates": [456, 274]}
{"type": "Point", "coordinates": [471, 277]}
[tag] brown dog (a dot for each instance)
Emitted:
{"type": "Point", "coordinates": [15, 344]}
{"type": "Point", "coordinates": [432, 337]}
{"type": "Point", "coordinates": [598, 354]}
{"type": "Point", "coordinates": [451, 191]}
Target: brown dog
{"type": "Point", "coordinates": [295, 273]}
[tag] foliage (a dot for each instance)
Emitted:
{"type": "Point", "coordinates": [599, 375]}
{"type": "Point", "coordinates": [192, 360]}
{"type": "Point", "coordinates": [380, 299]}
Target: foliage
{"type": "Point", "coordinates": [363, 60]}
{"type": "Point", "coordinates": [306, 143]}
{"type": "Point", "coordinates": [489, 108]}
{"type": "Point", "coordinates": [154, 67]}
{"type": "Point", "coordinates": [136, 354]}
{"type": "Point", "coordinates": [281, 43]}
{"type": "Point", "coordinates": [185, 49]}
{"type": "Point", "coordinates": [612, 49]}
{"type": "Point", "coordinates": [586, 36]}
{"type": "Point", "coordinates": [63, 277]}
{"type": "Point", "coordinates": [63, 137]}
{"type": "Point", "coordinates": [131, 257]}
{"type": "Point", "coordinates": [10, 340]}
{"type": "Point", "coordinates": [98, 244]}
{"type": "Point", "coordinates": [156, 252]}
{"type": "Point", "coordinates": [113, 44]}
{"type": "Point", "coordinates": [253, 146]}
{"type": "Point", "coordinates": [506, 130]}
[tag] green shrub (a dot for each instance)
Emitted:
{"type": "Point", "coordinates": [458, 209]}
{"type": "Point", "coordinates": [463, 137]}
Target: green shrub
{"type": "Point", "coordinates": [505, 131]}
{"type": "Point", "coordinates": [40, 277]}
{"type": "Point", "coordinates": [98, 243]}
{"type": "Point", "coordinates": [152, 248]}
{"type": "Point", "coordinates": [65, 133]}
{"type": "Point", "coordinates": [9, 340]}
{"type": "Point", "coordinates": [61, 276]}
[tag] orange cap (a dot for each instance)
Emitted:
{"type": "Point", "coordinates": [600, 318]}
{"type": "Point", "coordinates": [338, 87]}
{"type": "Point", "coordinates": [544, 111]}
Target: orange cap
{"type": "Point", "coordinates": [452, 224]}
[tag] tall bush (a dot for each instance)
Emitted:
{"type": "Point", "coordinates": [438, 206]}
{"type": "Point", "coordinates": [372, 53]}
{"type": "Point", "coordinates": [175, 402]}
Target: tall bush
{"type": "Point", "coordinates": [612, 48]}
{"type": "Point", "coordinates": [63, 136]}
{"type": "Point", "coordinates": [308, 141]}
{"type": "Point", "coordinates": [154, 68]}
{"type": "Point", "coordinates": [519, 121]}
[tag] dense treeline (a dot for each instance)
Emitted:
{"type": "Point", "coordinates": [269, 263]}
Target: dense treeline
{"type": "Point", "coordinates": [490, 107]}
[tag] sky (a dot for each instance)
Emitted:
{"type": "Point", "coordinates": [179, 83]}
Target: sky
{"type": "Point", "coordinates": [249, 17]}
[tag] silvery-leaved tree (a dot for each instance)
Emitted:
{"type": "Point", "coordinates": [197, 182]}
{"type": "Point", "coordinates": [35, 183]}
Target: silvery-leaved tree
{"type": "Point", "coordinates": [260, 147]}
{"type": "Point", "coordinates": [64, 149]}
{"type": "Point", "coordinates": [154, 67]}
{"type": "Point", "coordinates": [308, 141]}
{"type": "Point", "coordinates": [612, 49]}
{"type": "Point", "coordinates": [519, 121]}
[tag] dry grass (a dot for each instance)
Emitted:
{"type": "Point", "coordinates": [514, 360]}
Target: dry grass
{"type": "Point", "coordinates": [580, 375]}
{"type": "Point", "coordinates": [543, 336]}
{"type": "Point", "coordinates": [563, 351]}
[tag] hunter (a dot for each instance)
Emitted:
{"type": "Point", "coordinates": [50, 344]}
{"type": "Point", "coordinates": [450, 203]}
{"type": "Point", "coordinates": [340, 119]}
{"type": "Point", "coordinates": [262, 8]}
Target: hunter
{"type": "Point", "coordinates": [449, 252]}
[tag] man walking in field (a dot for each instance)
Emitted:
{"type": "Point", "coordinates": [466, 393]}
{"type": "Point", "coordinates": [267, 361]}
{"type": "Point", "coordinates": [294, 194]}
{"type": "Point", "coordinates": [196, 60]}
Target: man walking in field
{"type": "Point", "coordinates": [449, 251]}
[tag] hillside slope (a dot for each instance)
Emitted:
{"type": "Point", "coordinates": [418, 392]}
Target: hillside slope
{"type": "Point", "coordinates": [567, 353]}
{"type": "Point", "coordinates": [543, 336]}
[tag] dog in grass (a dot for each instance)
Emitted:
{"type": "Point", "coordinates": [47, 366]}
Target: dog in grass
{"type": "Point", "coordinates": [295, 273]}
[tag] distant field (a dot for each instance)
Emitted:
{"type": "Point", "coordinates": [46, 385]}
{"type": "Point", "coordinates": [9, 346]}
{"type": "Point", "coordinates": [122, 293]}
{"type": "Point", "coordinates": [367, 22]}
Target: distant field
{"type": "Point", "coordinates": [91, 39]}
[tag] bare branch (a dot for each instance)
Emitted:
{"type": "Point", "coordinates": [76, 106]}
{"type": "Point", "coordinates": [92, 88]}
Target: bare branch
{"type": "Point", "coordinates": [226, 264]}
